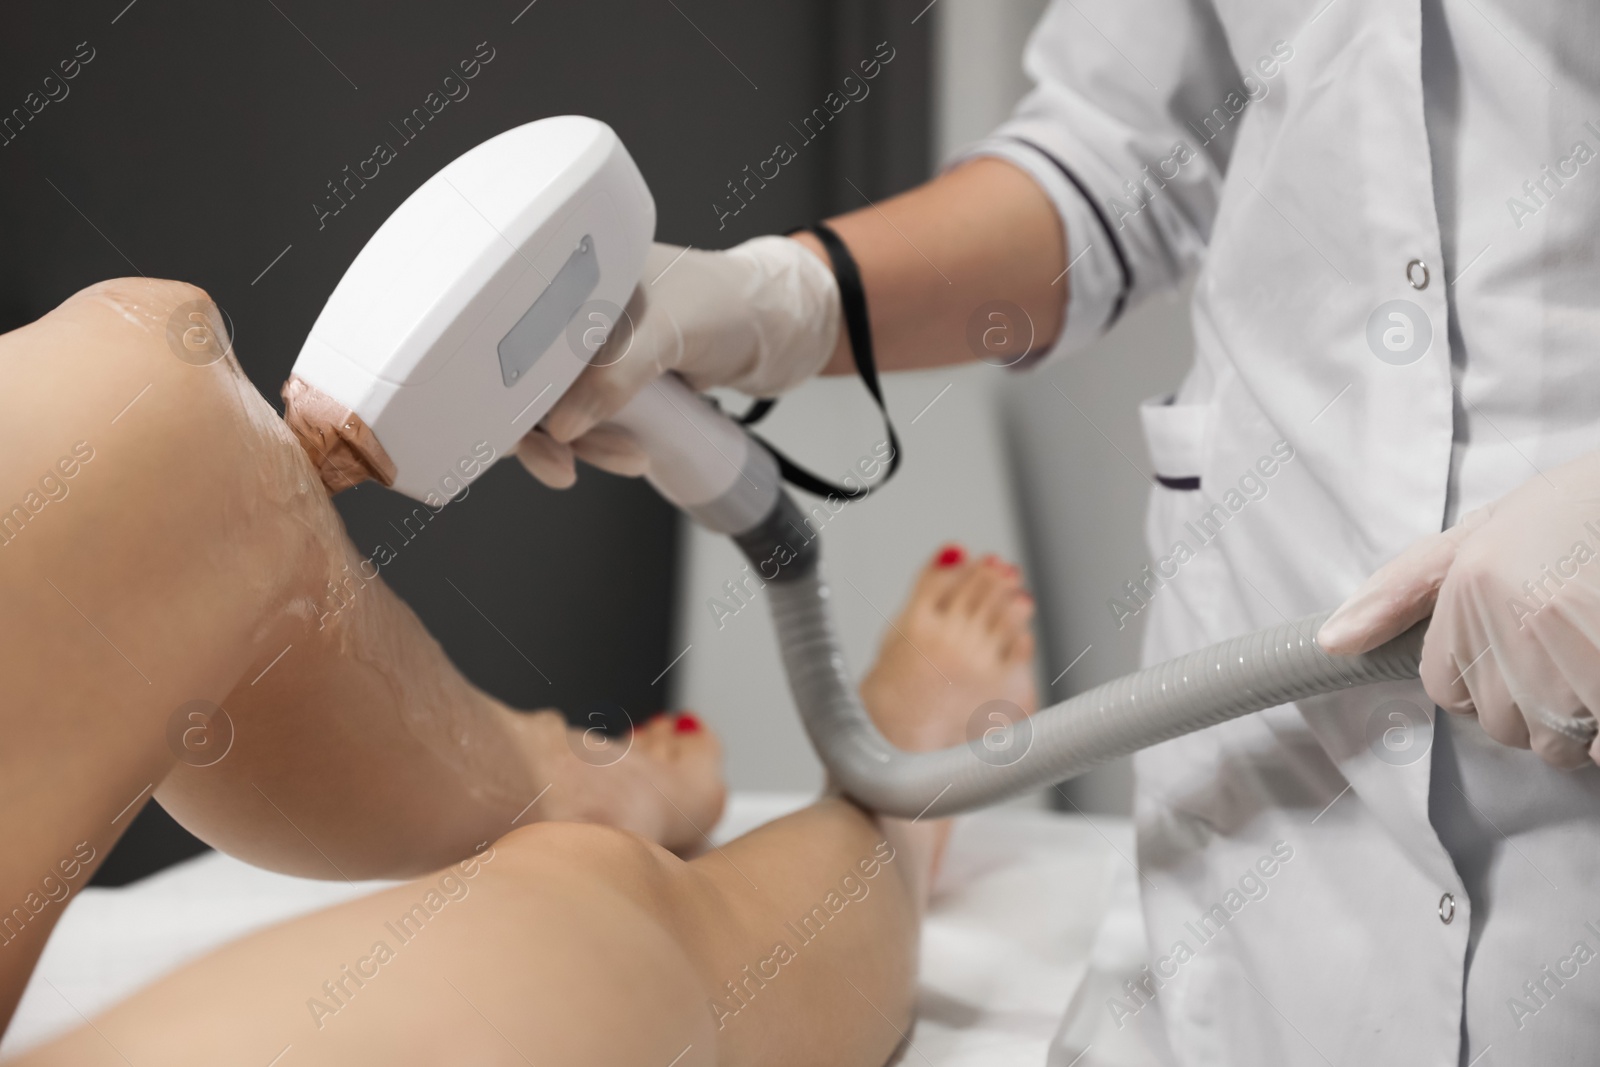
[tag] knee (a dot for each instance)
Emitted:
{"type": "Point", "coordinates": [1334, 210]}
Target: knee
{"type": "Point", "coordinates": [148, 360]}
{"type": "Point", "coordinates": [142, 370]}
{"type": "Point", "coordinates": [96, 376]}
{"type": "Point", "coordinates": [165, 334]}
{"type": "Point", "coordinates": [148, 305]}
{"type": "Point", "coordinates": [144, 326]}
{"type": "Point", "coordinates": [165, 350]}
{"type": "Point", "coordinates": [600, 854]}
{"type": "Point", "coordinates": [625, 876]}
{"type": "Point", "coordinates": [106, 342]}
{"type": "Point", "coordinates": [634, 874]}
{"type": "Point", "coordinates": [605, 860]}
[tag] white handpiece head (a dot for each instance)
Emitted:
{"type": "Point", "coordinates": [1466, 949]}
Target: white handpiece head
{"type": "Point", "coordinates": [475, 304]}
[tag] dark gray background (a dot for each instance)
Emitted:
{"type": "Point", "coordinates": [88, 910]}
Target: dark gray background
{"type": "Point", "coordinates": [195, 143]}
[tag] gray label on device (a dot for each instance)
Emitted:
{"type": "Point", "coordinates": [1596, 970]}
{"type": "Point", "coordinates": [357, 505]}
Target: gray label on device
{"type": "Point", "coordinates": [542, 323]}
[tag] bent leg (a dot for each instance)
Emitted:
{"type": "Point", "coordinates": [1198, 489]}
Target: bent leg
{"type": "Point", "coordinates": [146, 525]}
{"type": "Point", "coordinates": [795, 944]}
{"type": "Point", "coordinates": [163, 541]}
{"type": "Point", "coordinates": [563, 943]}
{"type": "Point", "coordinates": [362, 753]}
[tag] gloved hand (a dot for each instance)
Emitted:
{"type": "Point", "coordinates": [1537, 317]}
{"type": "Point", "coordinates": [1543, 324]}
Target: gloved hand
{"type": "Point", "coordinates": [760, 318]}
{"type": "Point", "coordinates": [1514, 590]}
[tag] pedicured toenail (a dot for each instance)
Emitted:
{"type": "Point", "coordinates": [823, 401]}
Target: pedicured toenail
{"type": "Point", "coordinates": [952, 556]}
{"type": "Point", "coordinates": [687, 724]}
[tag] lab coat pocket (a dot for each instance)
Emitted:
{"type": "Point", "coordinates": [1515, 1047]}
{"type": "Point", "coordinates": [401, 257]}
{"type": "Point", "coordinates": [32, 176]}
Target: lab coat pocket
{"type": "Point", "coordinates": [1175, 437]}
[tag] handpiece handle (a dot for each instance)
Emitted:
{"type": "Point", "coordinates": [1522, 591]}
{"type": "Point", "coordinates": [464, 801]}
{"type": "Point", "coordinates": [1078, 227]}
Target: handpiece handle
{"type": "Point", "coordinates": [700, 459]}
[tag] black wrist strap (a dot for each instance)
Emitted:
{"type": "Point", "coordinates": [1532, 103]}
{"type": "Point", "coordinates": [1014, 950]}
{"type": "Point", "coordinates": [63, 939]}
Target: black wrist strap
{"type": "Point", "coordinates": [858, 327]}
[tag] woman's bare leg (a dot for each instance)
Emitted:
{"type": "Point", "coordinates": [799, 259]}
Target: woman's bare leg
{"type": "Point", "coordinates": [163, 539]}
{"type": "Point", "coordinates": [795, 944]}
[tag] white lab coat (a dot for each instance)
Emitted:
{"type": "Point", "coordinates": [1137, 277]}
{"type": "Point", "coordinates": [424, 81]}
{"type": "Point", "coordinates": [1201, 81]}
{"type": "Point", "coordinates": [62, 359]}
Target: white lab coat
{"type": "Point", "coordinates": [1301, 156]}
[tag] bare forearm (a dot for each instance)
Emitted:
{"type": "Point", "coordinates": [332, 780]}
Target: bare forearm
{"type": "Point", "coordinates": [932, 256]}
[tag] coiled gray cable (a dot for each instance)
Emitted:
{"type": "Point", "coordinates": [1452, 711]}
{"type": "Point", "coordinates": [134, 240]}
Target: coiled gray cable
{"type": "Point", "coordinates": [1245, 674]}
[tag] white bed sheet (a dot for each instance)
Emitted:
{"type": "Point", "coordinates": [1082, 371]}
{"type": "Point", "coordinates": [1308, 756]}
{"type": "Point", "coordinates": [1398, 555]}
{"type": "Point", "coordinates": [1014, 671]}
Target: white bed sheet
{"type": "Point", "coordinates": [1017, 917]}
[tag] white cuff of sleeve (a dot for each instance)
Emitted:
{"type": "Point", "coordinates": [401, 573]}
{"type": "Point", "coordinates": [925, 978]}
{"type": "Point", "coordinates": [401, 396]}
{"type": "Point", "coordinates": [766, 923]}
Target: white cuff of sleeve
{"type": "Point", "coordinates": [1094, 277]}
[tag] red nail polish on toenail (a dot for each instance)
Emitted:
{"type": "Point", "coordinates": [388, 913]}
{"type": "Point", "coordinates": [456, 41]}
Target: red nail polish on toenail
{"type": "Point", "coordinates": [687, 724]}
{"type": "Point", "coordinates": [951, 556]}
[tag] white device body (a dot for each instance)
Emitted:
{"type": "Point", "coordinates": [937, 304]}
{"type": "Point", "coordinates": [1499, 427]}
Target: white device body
{"type": "Point", "coordinates": [429, 336]}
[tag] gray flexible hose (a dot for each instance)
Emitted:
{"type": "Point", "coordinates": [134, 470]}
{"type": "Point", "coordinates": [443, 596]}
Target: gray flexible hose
{"type": "Point", "coordinates": [1245, 674]}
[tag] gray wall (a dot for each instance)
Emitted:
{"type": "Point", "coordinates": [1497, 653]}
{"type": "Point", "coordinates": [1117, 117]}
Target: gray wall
{"type": "Point", "coordinates": [1080, 472]}
{"type": "Point", "coordinates": [1085, 480]}
{"type": "Point", "coordinates": [978, 57]}
{"type": "Point", "coordinates": [1001, 462]}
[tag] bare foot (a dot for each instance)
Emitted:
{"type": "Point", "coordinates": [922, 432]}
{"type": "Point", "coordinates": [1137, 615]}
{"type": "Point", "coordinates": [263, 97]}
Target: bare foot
{"type": "Point", "coordinates": [957, 662]}
{"type": "Point", "coordinates": [963, 640]}
{"type": "Point", "coordinates": [662, 781]}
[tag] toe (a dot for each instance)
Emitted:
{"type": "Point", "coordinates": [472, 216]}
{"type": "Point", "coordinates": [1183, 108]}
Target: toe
{"type": "Point", "coordinates": [687, 723]}
{"type": "Point", "coordinates": [675, 735]}
{"type": "Point", "coordinates": [1015, 627]}
{"type": "Point", "coordinates": [693, 761]}
{"type": "Point", "coordinates": [939, 576]}
{"type": "Point", "coordinates": [1001, 595]}
{"type": "Point", "coordinates": [703, 747]}
{"type": "Point", "coordinates": [1021, 648]}
{"type": "Point", "coordinates": [978, 587]}
{"type": "Point", "coordinates": [650, 725]}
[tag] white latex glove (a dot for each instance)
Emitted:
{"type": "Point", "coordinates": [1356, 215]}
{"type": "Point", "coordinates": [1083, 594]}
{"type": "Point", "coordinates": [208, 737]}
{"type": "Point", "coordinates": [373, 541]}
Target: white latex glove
{"type": "Point", "coordinates": [760, 318]}
{"type": "Point", "coordinates": [1514, 590]}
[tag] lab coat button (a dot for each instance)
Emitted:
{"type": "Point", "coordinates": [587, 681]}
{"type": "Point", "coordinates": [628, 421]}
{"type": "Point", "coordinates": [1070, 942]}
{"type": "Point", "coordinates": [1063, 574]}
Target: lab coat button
{"type": "Point", "coordinates": [1417, 274]}
{"type": "Point", "coordinates": [1447, 908]}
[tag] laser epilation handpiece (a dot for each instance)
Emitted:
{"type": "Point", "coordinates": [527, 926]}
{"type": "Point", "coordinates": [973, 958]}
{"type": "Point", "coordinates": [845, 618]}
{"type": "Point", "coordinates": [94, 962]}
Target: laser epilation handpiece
{"type": "Point", "coordinates": [476, 305]}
